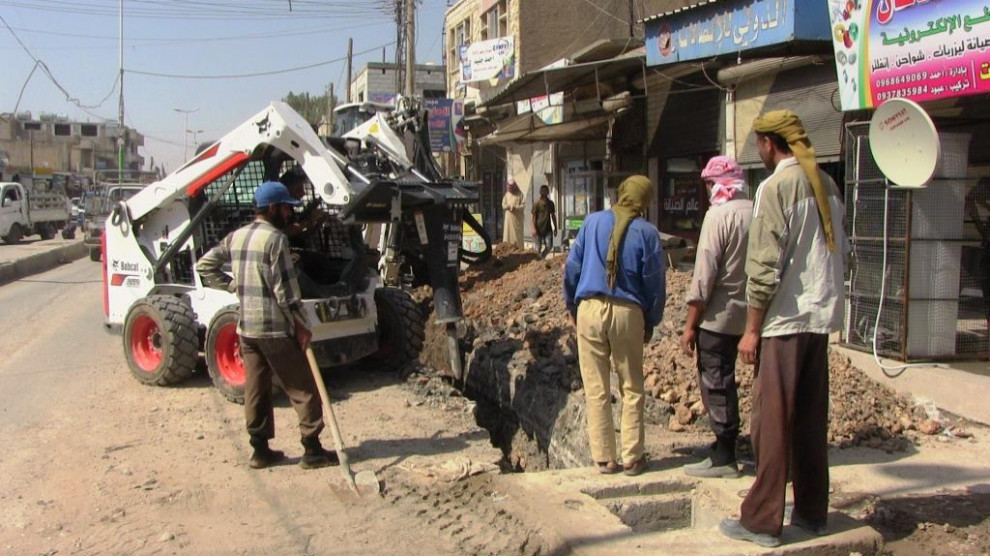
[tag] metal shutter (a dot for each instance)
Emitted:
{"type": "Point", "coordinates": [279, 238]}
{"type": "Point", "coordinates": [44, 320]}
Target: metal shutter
{"type": "Point", "coordinates": [690, 121]}
{"type": "Point", "coordinates": [810, 92]}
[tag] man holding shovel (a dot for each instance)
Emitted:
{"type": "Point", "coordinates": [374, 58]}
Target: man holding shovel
{"type": "Point", "coordinates": [273, 330]}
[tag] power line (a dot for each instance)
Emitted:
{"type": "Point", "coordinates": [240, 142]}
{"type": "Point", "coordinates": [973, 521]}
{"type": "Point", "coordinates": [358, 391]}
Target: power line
{"type": "Point", "coordinates": [175, 9]}
{"type": "Point", "coordinates": [160, 40]}
{"type": "Point", "coordinates": [606, 12]}
{"type": "Point", "coordinates": [39, 63]}
{"type": "Point", "coordinates": [256, 74]}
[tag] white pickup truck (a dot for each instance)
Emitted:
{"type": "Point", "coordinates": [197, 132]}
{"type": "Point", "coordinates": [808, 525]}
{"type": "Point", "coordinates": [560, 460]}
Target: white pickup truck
{"type": "Point", "coordinates": [25, 211]}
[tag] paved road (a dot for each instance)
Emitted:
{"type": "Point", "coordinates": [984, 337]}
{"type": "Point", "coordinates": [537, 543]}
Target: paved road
{"type": "Point", "coordinates": [52, 343]}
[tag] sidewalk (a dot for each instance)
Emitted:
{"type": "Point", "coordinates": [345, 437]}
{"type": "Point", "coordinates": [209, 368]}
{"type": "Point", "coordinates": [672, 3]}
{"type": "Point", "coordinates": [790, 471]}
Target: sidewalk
{"type": "Point", "coordinates": [33, 256]}
{"type": "Point", "coordinates": [957, 387]}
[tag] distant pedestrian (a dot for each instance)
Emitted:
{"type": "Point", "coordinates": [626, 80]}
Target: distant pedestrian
{"type": "Point", "coordinates": [794, 261]}
{"type": "Point", "coordinates": [614, 288]}
{"type": "Point", "coordinates": [717, 310]}
{"type": "Point", "coordinates": [544, 222]}
{"type": "Point", "coordinates": [273, 329]}
{"type": "Point", "coordinates": [513, 203]}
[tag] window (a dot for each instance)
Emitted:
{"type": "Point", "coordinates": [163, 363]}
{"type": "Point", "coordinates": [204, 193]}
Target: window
{"type": "Point", "coordinates": [495, 22]}
{"type": "Point", "coordinates": [63, 129]}
{"type": "Point", "coordinates": [460, 35]}
{"type": "Point", "coordinates": [434, 93]}
{"type": "Point", "coordinates": [32, 126]}
{"type": "Point", "coordinates": [89, 130]}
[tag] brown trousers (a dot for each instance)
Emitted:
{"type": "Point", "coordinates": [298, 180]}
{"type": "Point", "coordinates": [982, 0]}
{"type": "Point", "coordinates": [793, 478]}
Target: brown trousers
{"type": "Point", "coordinates": [282, 357]}
{"type": "Point", "coordinates": [610, 332]}
{"type": "Point", "coordinates": [789, 430]}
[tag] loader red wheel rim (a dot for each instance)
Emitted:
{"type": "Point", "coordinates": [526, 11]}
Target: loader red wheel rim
{"type": "Point", "coordinates": [146, 343]}
{"type": "Point", "coordinates": [228, 355]}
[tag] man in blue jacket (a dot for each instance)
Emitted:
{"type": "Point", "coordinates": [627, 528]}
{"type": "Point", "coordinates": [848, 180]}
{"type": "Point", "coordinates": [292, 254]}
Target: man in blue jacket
{"type": "Point", "coordinates": [614, 287]}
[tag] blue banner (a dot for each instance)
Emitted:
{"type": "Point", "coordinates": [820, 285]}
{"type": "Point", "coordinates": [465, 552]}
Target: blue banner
{"type": "Point", "coordinates": [446, 131]}
{"type": "Point", "coordinates": [730, 27]}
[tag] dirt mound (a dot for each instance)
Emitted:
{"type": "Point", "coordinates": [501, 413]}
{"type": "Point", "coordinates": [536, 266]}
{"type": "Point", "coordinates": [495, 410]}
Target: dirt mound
{"type": "Point", "coordinates": [514, 303]}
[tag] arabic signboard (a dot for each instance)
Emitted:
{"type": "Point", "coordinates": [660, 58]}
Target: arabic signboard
{"type": "Point", "coordinates": [446, 131]}
{"type": "Point", "coordinates": [916, 49]}
{"type": "Point", "coordinates": [384, 98]}
{"type": "Point", "coordinates": [731, 27]}
{"type": "Point", "coordinates": [484, 60]}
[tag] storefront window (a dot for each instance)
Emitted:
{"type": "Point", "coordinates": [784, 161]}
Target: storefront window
{"type": "Point", "coordinates": [492, 190]}
{"type": "Point", "coordinates": [685, 198]}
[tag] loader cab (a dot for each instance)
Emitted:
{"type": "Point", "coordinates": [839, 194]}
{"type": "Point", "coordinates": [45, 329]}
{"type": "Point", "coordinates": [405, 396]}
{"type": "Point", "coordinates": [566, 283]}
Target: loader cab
{"type": "Point", "coordinates": [349, 116]}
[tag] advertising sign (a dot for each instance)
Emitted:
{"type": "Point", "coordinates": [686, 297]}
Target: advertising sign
{"type": "Point", "coordinates": [915, 49]}
{"type": "Point", "coordinates": [548, 108]}
{"type": "Point", "coordinates": [446, 133]}
{"type": "Point", "coordinates": [730, 27]}
{"type": "Point", "coordinates": [484, 60]}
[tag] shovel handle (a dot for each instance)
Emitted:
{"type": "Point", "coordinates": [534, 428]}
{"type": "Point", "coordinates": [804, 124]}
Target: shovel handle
{"type": "Point", "coordinates": [328, 412]}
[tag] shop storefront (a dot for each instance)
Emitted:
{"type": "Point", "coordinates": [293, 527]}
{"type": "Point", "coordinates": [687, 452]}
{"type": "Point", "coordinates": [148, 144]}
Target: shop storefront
{"type": "Point", "coordinates": [710, 111]}
{"type": "Point", "coordinates": [934, 255]}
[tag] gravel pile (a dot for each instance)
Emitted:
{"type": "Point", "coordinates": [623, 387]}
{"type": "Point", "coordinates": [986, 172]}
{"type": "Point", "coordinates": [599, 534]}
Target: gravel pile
{"type": "Point", "coordinates": [515, 311]}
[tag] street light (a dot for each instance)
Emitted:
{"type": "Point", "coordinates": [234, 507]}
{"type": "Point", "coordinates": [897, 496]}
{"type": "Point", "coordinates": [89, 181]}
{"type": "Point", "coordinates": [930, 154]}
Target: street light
{"type": "Point", "coordinates": [195, 135]}
{"type": "Point", "coordinates": [185, 145]}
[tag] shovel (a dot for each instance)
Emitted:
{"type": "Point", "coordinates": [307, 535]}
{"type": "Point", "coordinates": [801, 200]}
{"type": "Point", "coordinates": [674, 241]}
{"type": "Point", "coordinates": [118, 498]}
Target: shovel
{"type": "Point", "coordinates": [365, 482]}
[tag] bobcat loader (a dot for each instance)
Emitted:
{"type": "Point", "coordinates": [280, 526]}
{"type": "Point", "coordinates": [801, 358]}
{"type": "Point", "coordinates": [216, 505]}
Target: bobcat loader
{"type": "Point", "coordinates": [381, 177]}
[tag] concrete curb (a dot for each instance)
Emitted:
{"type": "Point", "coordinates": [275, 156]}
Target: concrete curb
{"type": "Point", "coordinates": [40, 262]}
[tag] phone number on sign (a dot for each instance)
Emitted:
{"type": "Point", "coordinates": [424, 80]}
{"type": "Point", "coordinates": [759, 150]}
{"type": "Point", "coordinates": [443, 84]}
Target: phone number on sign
{"type": "Point", "coordinates": [901, 79]}
{"type": "Point", "coordinates": [905, 92]}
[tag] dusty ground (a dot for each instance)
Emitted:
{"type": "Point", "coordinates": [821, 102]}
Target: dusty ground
{"type": "Point", "coordinates": [95, 463]}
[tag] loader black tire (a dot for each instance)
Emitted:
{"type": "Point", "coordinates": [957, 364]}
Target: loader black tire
{"type": "Point", "coordinates": [94, 254]}
{"type": "Point", "coordinates": [14, 235]}
{"type": "Point", "coordinates": [223, 354]}
{"type": "Point", "coordinates": [160, 340]}
{"type": "Point", "coordinates": [400, 330]}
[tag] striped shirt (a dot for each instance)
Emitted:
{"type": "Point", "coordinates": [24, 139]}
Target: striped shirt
{"type": "Point", "coordinates": [264, 279]}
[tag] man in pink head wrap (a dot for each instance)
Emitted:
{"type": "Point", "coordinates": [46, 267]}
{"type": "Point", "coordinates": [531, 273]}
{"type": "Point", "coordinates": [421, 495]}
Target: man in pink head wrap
{"type": "Point", "coordinates": [717, 310]}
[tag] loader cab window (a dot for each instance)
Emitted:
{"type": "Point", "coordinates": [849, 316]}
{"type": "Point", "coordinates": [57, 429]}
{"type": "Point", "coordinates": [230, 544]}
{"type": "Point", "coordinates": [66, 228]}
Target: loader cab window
{"type": "Point", "coordinates": [350, 116]}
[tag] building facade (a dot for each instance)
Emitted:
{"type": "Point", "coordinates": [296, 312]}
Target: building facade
{"type": "Point", "coordinates": [53, 143]}
{"type": "Point", "coordinates": [376, 82]}
{"type": "Point", "coordinates": [492, 48]}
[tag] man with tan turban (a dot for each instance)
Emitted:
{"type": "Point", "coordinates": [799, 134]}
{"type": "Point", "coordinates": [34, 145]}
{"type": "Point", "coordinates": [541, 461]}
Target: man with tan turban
{"type": "Point", "coordinates": [514, 204]}
{"type": "Point", "coordinates": [614, 288]}
{"type": "Point", "coordinates": [794, 264]}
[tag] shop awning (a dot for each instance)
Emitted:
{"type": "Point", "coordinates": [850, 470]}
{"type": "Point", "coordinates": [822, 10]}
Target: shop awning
{"type": "Point", "coordinates": [530, 128]}
{"type": "Point", "coordinates": [566, 78]}
{"type": "Point", "coordinates": [684, 6]}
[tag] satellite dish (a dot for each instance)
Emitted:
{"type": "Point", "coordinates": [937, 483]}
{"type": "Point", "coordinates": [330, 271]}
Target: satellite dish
{"type": "Point", "coordinates": [904, 142]}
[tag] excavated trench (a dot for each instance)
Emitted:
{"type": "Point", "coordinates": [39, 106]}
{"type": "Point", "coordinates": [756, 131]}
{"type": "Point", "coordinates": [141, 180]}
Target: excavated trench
{"type": "Point", "coordinates": [526, 387]}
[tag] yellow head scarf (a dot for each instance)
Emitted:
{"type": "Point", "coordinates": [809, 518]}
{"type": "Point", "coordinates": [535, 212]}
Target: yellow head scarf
{"type": "Point", "coordinates": [786, 124]}
{"type": "Point", "coordinates": [635, 193]}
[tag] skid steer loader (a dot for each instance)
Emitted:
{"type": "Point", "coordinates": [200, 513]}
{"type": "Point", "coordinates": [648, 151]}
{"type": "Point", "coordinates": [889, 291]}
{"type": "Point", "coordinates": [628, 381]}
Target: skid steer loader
{"type": "Point", "coordinates": [379, 178]}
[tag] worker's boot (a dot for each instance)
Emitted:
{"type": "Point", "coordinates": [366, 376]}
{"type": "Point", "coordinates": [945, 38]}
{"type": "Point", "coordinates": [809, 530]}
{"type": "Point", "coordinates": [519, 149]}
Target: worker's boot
{"type": "Point", "coordinates": [720, 464]}
{"type": "Point", "coordinates": [315, 455]}
{"type": "Point", "coordinates": [263, 456]}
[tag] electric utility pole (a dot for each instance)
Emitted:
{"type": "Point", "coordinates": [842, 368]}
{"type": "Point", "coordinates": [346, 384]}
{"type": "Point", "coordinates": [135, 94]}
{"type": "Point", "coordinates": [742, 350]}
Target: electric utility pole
{"type": "Point", "coordinates": [122, 140]}
{"type": "Point", "coordinates": [350, 58]}
{"type": "Point", "coordinates": [410, 88]}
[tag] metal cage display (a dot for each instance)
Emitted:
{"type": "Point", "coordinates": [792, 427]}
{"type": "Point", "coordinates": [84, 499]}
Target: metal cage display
{"type": "Point", "coordinates": [931, 265]}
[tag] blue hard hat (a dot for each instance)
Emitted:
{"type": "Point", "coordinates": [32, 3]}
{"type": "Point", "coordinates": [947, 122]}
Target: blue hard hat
{"type": "Point", "coordinates": [273, 193]}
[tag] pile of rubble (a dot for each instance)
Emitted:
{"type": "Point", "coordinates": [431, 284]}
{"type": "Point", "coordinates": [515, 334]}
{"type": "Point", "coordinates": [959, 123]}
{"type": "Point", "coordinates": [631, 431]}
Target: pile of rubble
{"type": "Point", "coordinates": [519, 327]}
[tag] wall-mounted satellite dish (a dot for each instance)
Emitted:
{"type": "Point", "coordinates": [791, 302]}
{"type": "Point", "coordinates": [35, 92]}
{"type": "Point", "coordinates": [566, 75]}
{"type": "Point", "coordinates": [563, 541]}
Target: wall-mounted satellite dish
{"type": "Point", "coordinates": [904, 142]}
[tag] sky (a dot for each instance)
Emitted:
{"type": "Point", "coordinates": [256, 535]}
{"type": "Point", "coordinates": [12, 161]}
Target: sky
{"type": "Point", "coordinates": [78, 42]}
